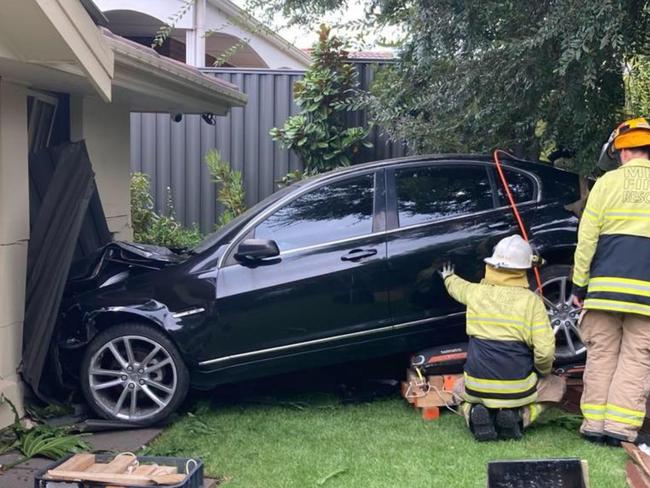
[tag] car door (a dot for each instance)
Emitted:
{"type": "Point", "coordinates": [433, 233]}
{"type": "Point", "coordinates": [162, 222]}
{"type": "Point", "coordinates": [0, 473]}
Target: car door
{"type": "Point", "coordinates": [438, 212]}
{"type": "Point", "coordinates": [327, 287]}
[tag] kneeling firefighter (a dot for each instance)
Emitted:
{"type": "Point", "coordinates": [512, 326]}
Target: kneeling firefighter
{"type": "Point", "coordinates": [511, 345]}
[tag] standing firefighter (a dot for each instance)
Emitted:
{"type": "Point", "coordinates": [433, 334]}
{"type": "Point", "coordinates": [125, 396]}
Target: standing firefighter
{"type": "Point", "coordinates": [511, 344]}
{"type": "Point", "coordinates": [612, 270]}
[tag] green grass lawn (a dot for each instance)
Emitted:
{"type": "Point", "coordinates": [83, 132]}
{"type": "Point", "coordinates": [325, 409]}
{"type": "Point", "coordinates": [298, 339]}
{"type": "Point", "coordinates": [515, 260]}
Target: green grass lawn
{"type": "Point", "coordinates": [312, 440]}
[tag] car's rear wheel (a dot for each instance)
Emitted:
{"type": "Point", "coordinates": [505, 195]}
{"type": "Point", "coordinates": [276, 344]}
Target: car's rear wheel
{"type": "Point", "coordinates": [133, 373]}
{"type": "Point", "coordinates": [563, 314]}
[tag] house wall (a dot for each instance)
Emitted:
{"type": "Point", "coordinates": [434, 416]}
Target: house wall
{"type": "Point", "coordinates": [274, 56]}
{"type": "Point", "coordinates": [14, 235]}
{"type": "Point", "coordinates": [209, 15]}
{"type": "Point", "coordinates": [105, 128]}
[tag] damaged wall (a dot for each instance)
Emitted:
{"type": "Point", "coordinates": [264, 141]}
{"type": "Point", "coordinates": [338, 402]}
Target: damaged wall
{"type": "Point", "coordinates": [14, 235]}
{"type": "Point", "coordinates": [106, 130]}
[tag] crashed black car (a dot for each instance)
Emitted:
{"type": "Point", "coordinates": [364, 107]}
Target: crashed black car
{"type": "Point", "coordinates": [335, 268]}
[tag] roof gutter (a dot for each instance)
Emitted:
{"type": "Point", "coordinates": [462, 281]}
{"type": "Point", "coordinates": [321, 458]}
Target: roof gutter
{"type": "Point", "coordinates": [138, 59]}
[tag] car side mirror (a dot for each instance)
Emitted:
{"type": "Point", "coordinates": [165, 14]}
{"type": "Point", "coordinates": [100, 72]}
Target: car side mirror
{"type": "Point", "coordinates": [255, 249]}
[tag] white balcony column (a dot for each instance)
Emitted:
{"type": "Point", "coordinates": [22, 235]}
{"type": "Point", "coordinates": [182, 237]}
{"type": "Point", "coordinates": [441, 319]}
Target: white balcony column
{"type": "Point", "coordinates": [195, 37]}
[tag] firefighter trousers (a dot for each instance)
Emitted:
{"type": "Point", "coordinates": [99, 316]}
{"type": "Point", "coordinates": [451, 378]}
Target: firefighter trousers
{"type": "Point", "coordinates": [617, 373]}
{"type": "Point", "coordinates": [550, 391]}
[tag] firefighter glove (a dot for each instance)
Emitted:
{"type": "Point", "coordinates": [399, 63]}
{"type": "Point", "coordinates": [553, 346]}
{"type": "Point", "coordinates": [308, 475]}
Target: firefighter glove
{"type": "Point", "coordinates": [447, 270]}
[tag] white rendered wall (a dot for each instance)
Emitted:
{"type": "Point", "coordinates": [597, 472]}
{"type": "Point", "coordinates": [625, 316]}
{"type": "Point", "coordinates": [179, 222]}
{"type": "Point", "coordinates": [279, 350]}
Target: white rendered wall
{"type": "Point", "coordinates": [105, 128]}
{"type": "Point", "coordinates": [14, 235]}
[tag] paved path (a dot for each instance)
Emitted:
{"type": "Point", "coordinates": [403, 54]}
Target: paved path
{"type": "Point", "coordinates": [22, 476]}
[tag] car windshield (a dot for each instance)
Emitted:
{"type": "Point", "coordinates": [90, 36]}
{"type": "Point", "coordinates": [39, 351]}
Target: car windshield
{"type": "Point", "coordinates": [211, 239]}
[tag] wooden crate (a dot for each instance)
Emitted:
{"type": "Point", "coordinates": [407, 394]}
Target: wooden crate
{"type": "Point", "coordinates": [122, 470]}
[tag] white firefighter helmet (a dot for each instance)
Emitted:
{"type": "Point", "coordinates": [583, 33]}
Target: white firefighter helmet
{"type": "Point", "coordinates": [512, 253]}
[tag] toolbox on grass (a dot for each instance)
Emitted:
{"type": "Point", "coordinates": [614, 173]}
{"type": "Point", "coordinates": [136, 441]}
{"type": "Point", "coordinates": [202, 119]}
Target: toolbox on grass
{"type": "Point", "coordinates": [538, 473]}
{"type": "Point", "coordinates": [190, 467]}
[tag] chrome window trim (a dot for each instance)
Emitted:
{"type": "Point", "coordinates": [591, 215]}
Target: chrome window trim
{"type": "Point", "coordinates": [348, 173]}
{"type": "Point", "coordinates": [288, 199]}
{"type": "Point", "coordinates": [399, 229]}
{"type": "Point", "coordinates": [328, 339]}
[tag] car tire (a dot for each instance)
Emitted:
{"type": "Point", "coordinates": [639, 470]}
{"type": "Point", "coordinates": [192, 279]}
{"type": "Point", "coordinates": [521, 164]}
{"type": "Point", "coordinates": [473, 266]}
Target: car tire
{"type": "Point", "coordinates": [563, 315]}
{"type": "Point", "coordinates": [133, 373]}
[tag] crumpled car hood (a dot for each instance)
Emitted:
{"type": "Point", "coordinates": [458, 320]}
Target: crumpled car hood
{"type": "Point", "coordinates": [115, 262]}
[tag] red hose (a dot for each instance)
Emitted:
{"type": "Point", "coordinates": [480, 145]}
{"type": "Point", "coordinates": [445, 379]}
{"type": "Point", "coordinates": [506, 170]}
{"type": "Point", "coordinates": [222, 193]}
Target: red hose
{"type": "Point", "coordinates": [514, 208]}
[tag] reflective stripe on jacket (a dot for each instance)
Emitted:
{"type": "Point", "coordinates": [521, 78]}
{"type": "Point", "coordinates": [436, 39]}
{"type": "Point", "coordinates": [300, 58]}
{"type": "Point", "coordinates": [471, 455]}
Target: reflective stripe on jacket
{"type": "Point", "coordinates": [612, 260]}
{"type": "Point", "coordinates": [510, 338]}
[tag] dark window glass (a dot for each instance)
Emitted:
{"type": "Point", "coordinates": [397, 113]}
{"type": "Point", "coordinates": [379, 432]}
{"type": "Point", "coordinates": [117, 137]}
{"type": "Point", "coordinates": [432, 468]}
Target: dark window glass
{"type": "Point", "coordinates": [329, 213]}
{"type": "Point", "coordinates": [431, 193]}
{"type": "Point", "coordinates": [521, 187]}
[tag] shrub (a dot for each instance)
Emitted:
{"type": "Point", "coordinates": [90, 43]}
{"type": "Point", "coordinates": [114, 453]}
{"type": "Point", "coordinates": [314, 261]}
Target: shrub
{"type": "Point", "coordinates": [151, 228]}
{"type": "Point", "coordinates": [231, 188]}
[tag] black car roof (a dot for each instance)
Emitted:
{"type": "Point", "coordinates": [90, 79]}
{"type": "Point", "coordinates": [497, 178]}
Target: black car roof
{"type": "Point", "coordinates": [446, 158]}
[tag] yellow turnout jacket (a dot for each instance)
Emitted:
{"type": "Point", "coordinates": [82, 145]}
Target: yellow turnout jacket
{"type": "Point", "coordinates": [510, 339]}
{"type": "Point", "coordinates": [612, 260]}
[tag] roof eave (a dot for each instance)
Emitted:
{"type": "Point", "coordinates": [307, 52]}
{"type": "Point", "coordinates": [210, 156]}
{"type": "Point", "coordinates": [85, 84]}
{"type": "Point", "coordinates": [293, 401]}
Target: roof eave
{"type": "Point", "coordinates": [163, 85]}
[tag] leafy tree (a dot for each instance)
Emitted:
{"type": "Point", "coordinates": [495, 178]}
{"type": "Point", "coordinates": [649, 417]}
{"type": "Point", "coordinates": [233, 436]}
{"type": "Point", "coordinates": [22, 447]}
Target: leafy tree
{"type": "Point", "coordinates": [638, 86]}
{"type": "Point", "coordinates": [528, 76]}
{"type": "Point", "coordinates": [329, 89]}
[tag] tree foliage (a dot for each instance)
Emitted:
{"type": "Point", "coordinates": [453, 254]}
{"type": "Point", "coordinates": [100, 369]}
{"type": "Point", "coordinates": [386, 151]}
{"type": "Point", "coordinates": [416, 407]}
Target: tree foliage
{"type": "Point", "coordinates": [638, 86]}
{"type": "Point", "coordinates": [329, 89]}
{"type": "Point", "coordinates": [527, 76]}
{"type": "Point", "coordinates": [231, 187]}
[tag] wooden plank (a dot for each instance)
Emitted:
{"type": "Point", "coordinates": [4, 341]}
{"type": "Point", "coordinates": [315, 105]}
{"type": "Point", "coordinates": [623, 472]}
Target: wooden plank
{"type": "Point", "coordinates": [145, 469]}
{"type": "Point", "coordinates": [435, 398]}
{"type": "Point", "coordinates": [117, 478]}
{"type": "Point", "coordinates": [120, 463]}
{"type": "Point", "coordinates": [635, 477]}
{"type": "Point", "coordinates": [78, 462]}
{"type": "Point", "coordinates": [96, 468]}
{"type": "Point", "coordinates": [166, 470]}
{"type": "Point", "coordinates": [639, 457]}
{"type": "Point", "coordinates": [584, 464]}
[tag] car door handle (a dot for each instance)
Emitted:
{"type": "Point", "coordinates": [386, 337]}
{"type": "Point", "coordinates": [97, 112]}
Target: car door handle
{"type": "Point", "coordinates": [357, 254]}
{"type": "Point", "coordinates": [500, 225]}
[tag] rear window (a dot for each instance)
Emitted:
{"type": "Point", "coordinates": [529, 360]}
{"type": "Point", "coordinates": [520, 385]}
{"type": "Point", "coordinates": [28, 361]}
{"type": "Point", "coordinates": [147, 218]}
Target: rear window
{"type": "Point", "coordinates": [521, 186]}
{"type": "Point", "coordinates": [430, 193]}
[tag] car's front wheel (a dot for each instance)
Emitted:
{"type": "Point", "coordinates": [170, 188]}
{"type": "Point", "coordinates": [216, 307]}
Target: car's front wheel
{"type": "Point", "coordinates": [134, 373]}
{"type": "Point", "coordinates": [563, 314]}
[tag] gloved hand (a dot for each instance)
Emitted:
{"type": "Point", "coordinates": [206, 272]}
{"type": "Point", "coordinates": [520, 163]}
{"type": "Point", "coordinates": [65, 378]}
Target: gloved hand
{"type": "Point", "coordinates": [446, 271]}
{"type": "Point", "coordinates": [578, 294]}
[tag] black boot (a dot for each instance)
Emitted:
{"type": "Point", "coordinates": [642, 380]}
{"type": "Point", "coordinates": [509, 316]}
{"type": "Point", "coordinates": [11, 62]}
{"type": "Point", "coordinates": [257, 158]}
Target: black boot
{"type": "Point", "coordinates": [482, 424]}
{"type": "Point", "coordinates": [508, 423]}
{"type": "Point", "coordinates": [595, 437]}
{"type": "Point", "coordinates": [642, 438]}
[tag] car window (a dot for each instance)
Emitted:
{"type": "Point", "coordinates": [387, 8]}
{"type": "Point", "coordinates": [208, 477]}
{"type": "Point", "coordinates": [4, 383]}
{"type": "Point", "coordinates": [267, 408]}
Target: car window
{"type": "Point", "coordinates": [429, 193]}
{"type": "Point", "coordinates": [521, 186]}
{"type": "Point", "coordinates": [328, 213]}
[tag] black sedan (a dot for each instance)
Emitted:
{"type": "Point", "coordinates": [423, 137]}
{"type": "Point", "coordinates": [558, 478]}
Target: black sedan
{"type": "Point", "coordinates": [335, 268]}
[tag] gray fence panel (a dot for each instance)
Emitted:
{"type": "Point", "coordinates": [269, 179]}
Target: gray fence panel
{"type": "Point", "coordinates": [172, 153]}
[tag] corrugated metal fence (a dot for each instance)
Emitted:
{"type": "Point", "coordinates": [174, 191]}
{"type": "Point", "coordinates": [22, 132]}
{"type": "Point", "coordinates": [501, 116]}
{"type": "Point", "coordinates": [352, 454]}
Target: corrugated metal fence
{"type": "Point", "coordinates": [172, 153]}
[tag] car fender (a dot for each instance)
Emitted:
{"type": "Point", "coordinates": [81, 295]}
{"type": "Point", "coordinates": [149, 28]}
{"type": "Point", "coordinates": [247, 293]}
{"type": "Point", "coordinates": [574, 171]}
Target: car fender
{"type": "Point", "coordinates": [152, 312]}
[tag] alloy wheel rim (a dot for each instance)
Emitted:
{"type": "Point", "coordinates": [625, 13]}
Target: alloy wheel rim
{"type": "Point", "coordinates": [132, 378]}
{"type": "Point", "coordinates": [564, 316]}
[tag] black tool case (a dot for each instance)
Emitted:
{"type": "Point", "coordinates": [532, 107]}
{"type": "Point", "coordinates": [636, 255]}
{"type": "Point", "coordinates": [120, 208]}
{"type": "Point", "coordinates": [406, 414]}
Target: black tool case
{"type": "Point", "coordinates": [194, 478]}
